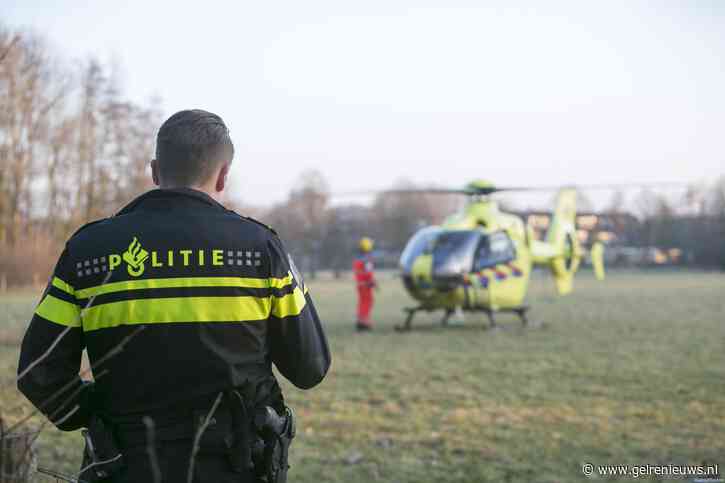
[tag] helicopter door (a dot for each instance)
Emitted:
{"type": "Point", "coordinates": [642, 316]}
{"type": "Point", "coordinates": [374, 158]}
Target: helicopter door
{"type": "Point", "coordinates": [454, 252]}
{"type": "Point", "coordinates": [494, 249]}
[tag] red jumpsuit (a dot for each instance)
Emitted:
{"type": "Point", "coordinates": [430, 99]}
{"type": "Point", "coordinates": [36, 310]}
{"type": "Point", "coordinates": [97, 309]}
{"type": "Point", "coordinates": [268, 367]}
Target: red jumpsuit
{"type": "Point", "coordinates": [365, 279]}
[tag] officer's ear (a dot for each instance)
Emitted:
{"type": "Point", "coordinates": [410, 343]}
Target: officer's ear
{"type": "Point", "coordinates": [221, 179]}
{"type": "Point", "coordinates": [155, 172]}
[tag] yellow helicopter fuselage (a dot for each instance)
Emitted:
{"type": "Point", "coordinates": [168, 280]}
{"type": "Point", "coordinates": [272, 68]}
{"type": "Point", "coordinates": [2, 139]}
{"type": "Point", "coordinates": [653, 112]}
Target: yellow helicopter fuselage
{"type": "Point", "coordinates": [482, 258]}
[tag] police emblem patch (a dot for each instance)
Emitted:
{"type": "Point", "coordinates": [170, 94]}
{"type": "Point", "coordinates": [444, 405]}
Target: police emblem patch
{"type": "Point", "coordinates": [135, 256]}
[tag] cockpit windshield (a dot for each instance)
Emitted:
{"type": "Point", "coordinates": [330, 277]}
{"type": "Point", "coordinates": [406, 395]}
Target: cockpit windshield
{"type": "Point", "coordinates": [419, 244]}
{"type": "Point", "coordinates": [456, 252]}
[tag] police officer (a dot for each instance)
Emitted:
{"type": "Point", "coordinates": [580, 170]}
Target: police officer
{"type": "Point", "coordinates": [183, 306]}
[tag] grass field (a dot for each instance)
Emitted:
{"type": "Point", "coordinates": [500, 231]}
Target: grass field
{"type": "Point", "coordinates": [628, 371]}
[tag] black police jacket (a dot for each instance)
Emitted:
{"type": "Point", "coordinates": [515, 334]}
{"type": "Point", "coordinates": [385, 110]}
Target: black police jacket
{"type": "Point", "coordinates": [175, 298]}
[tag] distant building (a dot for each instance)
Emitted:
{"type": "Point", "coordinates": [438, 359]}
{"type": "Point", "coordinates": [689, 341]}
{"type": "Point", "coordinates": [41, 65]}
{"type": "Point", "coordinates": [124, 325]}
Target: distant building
{"type": "Point", "coordinates": [610, 228]}
{"type": "Point", "coordinates": [625, 237]}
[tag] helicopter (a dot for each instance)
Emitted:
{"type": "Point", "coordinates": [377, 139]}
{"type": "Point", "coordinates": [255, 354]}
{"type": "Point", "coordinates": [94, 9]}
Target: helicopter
{"type": "Point", "coordinates": [481, 259]}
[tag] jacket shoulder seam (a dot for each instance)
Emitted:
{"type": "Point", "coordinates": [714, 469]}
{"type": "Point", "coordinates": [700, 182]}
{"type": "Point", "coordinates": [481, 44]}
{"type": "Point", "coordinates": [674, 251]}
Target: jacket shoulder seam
{"type": "Point", "coordinates": [256, 222]}
{"type": "Point", "coordinates": [87, 225]}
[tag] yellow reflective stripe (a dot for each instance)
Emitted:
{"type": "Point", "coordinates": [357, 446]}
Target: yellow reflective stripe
{"type": "Point", "coordinates": [289, 305]}
{"type": "Point", "coordinates": [280, 282]}
{"type": "Point", "coordinates": [59, 311]}
{"type": "Point", "coordinates": [172, 283]}
{"type": "Point", "coordinates": [60, 284]}
{"type": "Point", "coordinates": [176, 309]}
{"type": "Point", "coordinates": [183, 282]}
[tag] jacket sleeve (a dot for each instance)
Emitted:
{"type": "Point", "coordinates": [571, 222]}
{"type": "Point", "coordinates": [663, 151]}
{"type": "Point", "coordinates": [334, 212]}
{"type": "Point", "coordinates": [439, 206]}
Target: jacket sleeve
{"type": "Point", "coordinates": [298, 344]}
{"type": "Point", "coordinates": [50, 354]}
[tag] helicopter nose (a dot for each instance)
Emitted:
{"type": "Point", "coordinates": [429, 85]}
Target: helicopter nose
{"type": "Point", "coordinates": [447, 282]}
{"type": "Point", "coordinates": [423, 282]}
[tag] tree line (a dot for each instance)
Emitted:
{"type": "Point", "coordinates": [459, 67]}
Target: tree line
{"type": "Point", "coordinates": [74, 149]}
{"type": "Point", "coordinates": [324, 235]}
{"type": "Point", "coordinates": [699, 232]}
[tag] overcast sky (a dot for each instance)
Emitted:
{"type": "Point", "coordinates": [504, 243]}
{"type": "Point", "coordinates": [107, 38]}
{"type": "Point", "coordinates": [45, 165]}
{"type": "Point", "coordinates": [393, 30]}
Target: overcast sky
{"type": "Point", "coordinates": [436, 92]}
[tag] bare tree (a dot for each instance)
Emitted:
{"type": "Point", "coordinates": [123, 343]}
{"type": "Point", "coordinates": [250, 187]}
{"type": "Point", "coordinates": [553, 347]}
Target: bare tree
{"type": "Point", "coordinates": [72, 149]}
{"type": "Point", "coordinates": [306, 217]}
{"type": "Point", "coordinates": [30, 91]}
{"type": "Point", "coordinates": [397, 214]}
{"type": "Point", "coordinates": [616, 203]}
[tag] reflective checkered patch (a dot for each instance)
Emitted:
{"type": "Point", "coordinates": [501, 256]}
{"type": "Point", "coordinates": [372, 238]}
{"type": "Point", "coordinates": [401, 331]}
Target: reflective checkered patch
{"type": "Point", "coordinates": [243, 258]}
{"type": "Point", "coordinates": [91, 266]}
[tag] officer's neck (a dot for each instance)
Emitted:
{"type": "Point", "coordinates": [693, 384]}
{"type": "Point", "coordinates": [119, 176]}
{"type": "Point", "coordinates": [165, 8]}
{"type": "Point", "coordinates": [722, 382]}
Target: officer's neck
{"type": "Point", "coordinates": [209, 190]}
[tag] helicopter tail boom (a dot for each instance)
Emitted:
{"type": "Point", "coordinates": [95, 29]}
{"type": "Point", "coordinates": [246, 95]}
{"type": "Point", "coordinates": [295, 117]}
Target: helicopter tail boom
{"type": "Point", "coordinates": [596, 255]}
{"type": "Point", "coordinates": [561, 250]}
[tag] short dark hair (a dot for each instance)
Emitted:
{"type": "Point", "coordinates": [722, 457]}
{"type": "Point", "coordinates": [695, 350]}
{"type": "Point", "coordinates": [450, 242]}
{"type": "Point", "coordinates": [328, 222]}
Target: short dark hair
{"type": "Point", "coordinates": [190, 145]}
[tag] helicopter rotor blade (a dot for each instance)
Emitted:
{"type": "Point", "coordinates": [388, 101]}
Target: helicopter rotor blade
{"type": "Point", "coordinates": [435, 191]}
{"type": "Point", "coordinates": [496, 189]}
{"type": "Point", "coordinates": [619, 186]}
{"type": "Point", "coordinates": [604, 186]}
{"type": "Point", "coordinates": [458, 191]}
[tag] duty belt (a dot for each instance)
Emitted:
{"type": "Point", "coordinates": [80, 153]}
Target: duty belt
{"type": "Point", "coordinates": [132, 431]}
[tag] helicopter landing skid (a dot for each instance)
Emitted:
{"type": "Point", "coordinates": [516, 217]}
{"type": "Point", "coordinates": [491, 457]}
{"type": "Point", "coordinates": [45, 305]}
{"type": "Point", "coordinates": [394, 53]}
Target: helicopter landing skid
{"type": "Point", "coordinates": [411, 311]}
{"type": "Point", "coordinates": [520, 311]}
{"type": "Point", "coordinates": [408, 324]}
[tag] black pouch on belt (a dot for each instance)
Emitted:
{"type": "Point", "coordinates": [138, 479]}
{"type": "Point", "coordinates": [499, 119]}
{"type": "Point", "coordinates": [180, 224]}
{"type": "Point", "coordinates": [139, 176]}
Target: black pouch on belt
{"type": "Point", "coordinates": [240, 441]}
{"type": "Point", "coordinates": [101, 457]}
{"type": "Point", "coordinates": [276, 433]}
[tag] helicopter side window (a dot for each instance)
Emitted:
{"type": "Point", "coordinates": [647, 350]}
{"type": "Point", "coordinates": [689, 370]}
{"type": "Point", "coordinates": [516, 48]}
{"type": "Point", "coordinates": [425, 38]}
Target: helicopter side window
{"type": "Point", "coordinates": [419, 244]}
{"type": "Point", "coordinates": [454, 251]}
{"type": "Point", "coordinates": [494, 249]}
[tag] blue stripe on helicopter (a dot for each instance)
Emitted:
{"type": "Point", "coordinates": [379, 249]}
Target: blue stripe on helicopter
{"type": "Point", "coordinates": [515, 270]}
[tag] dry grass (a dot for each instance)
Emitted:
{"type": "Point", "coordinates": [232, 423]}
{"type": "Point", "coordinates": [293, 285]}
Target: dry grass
{"type": "Point", "coordinates": [627, 371]}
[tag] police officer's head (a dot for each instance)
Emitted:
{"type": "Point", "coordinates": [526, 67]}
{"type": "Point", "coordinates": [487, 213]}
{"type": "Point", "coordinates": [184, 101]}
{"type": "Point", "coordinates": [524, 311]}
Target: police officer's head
{"type": "Point", "coordinates": [193, 149]}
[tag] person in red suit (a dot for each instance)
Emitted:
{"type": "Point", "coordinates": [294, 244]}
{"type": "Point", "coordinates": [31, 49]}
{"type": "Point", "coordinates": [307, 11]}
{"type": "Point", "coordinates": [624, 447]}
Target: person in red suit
{"type": "Point", "coordinates": [362, 267]}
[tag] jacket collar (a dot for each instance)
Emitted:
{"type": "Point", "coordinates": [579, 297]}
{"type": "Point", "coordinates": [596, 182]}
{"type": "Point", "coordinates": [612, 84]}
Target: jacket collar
{"type": "Point", "coordinates": [188, 193]}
